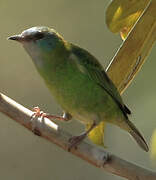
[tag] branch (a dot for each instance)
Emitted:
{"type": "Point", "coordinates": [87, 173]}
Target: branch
{"type": "Point", "coordinates": [52, 132]}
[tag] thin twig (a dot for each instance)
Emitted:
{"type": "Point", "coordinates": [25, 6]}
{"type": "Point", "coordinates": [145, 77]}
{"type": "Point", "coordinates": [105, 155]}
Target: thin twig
{"type": "Point", "coordinates": [52, 132]}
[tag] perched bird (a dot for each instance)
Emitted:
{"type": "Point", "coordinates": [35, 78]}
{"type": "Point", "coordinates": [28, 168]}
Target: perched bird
{"type": "Point", "coordinates": [77, 81]}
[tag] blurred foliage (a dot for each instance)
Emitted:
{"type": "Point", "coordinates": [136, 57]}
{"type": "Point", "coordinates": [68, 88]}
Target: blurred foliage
{"type": "Point", "coordinates": [153, 146]}
{"type": "Point", "coordinates": [121, 15]}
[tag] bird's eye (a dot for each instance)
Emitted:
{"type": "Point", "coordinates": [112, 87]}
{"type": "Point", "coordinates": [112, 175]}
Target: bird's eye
{"type": "Point", "coordinates": [38, 35]}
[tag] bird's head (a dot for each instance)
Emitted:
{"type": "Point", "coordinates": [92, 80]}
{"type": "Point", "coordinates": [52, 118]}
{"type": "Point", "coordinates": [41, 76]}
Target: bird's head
{"type": "Point", "coordinates": [43, 38]}
{"type": "Point", "coordinates": [42, 44]}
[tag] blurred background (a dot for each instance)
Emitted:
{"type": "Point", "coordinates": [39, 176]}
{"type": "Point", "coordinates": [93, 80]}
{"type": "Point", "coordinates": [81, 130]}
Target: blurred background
{"type": "Point", "coordinates": [26, 156]}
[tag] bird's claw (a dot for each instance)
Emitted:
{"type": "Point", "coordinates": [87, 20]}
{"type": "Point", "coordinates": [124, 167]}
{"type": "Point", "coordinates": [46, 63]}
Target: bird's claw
{"type": "Point", "coordinates": [38, 112]}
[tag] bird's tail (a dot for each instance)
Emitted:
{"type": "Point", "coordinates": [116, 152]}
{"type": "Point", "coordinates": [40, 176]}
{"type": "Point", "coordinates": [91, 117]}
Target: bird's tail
{"type": "Point", "coordinates": [137, 136]}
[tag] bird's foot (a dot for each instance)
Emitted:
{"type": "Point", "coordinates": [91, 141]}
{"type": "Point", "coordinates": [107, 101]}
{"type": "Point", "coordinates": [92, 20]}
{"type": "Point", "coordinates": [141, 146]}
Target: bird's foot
{"type": "Point", "coordinates": [39, 113]}
{"type": "Point", "coordinates": [76, 140]}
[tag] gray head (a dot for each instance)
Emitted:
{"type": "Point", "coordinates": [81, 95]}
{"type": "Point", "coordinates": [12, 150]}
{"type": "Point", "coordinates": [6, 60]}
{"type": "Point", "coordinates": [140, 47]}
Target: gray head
{"type": "Point", "coordinates": [44, 38]}
{"type": "Point", "coordinates": [41, 43]}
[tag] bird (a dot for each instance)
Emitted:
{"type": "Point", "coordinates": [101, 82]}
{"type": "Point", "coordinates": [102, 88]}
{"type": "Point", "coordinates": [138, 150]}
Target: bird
{"type": "Point", "coordinates": [78, 82]}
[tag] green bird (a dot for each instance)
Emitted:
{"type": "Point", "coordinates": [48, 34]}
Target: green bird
{"type": "Point", "coordinates": [77, 81]}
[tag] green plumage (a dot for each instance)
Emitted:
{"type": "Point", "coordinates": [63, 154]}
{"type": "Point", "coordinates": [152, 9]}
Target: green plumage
{"type": "Point", "coordinates": [77, 80]}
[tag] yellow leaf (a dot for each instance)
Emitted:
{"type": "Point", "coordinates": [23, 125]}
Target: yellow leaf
{"type": "Point", "coordinates": [129, 21]}
{"type": "Point", "coordinates": [134, 50]}
{"type": "Point", "coordinates": [121, 15]}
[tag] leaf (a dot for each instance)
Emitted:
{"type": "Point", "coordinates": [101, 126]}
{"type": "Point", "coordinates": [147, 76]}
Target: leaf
{"type": "Point", "coordinates": [121, 15]}
{"type": "Point", "coordinates": [132, 54]}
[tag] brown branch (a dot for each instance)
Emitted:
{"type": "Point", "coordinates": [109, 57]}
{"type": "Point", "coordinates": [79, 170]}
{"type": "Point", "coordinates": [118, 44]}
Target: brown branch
{"type": "Point", "coordinates": [52, 132]}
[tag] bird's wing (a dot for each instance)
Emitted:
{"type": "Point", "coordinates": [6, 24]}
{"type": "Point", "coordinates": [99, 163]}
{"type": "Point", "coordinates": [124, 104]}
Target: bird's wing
{"type": "Point", "coordinates": [89, 65]}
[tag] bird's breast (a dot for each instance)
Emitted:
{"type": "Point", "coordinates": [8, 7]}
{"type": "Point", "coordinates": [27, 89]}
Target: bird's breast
{"type": "Point", "coordinates": [76, 93]}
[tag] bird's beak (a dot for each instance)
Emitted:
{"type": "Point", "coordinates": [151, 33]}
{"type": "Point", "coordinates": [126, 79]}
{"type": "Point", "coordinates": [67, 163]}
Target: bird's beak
{"type": "Point", "coordinates": [16, 38]}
